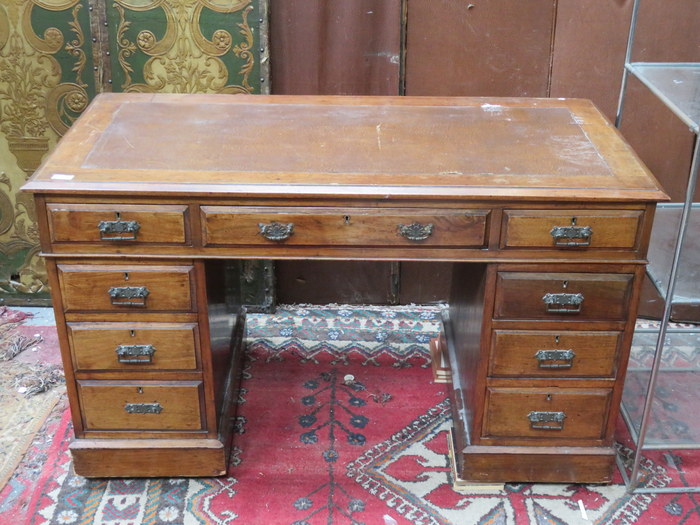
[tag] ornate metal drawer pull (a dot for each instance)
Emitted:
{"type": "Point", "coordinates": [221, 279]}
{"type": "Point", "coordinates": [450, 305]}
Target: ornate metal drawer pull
{"type": "Point", "coordinates": [563, 303]}
{"type": "Point", "coordinates": [415, 231]}
{"type": "Point", "coordinates": [143, 408]}
{"type": "Point", "coordinates": [276, 231]}
{"type": "Point", "coordinates": [135, 353]}
{"type": "Point", "coordinates": [547, 420]}
{"type": "Point", "coordinates": [115, 230]}
{"type": "Point", "coordinates": [128, 295]}
{"type": "Point", "coordinates": [566, 235]}
{"type": "Point", "coordinates": [555, 358]}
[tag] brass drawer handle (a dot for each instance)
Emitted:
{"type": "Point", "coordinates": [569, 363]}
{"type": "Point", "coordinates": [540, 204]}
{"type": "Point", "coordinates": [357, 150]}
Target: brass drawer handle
{"type": "Point", "coordinates": [555, 358]}
{"type": "Point", "coordinates": [568, 235]}
{"type": "Point", "coordinates": [143, 408]}
{"type": "Point", "coordinates": [415, 231]}
{"type": "Point", "coordinates": [276, 231]}
{"type": "Point", "coordinates": [563, 303]}
{"type": "Point", "coordinates": [135, 353]}
{"type": "Point", "coordinates": [118, 230]}
{"type": "Point", "coordinates": [546, 420]}
{"type": "Point", "coordinates": [128, 295]}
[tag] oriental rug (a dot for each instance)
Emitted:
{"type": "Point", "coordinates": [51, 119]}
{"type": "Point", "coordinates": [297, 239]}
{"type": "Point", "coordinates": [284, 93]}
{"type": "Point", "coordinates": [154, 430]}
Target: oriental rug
{"type": "Point", "coordinates": [26, 399]}
{"type": "Point", "coordinates": [339, 423]}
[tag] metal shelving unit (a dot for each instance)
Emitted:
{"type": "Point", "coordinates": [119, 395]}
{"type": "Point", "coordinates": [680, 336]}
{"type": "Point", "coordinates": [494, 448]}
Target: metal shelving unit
{"type": "Point", "coordinates": [677, 85]}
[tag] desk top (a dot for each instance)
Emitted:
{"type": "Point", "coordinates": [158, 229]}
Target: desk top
{"type": "Point", "coordinates": [373, 147]}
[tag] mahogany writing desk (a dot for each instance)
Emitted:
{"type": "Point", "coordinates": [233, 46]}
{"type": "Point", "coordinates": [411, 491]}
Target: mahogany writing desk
{"type": "Point", "coordinates": [543, 208]}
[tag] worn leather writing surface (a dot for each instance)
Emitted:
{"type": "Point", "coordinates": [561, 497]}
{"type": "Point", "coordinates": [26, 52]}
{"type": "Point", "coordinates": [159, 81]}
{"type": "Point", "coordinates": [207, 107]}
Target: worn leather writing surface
{"type": "Point", "coordinates": [488, 139]}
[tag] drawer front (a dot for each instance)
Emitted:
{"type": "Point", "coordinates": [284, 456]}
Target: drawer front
{"type": "Point", "coordinates": [572, 229]}
{"type": "Point", "coordinates": [113, 224]}
{"type": "Point", "coordinates": [570, 296]}
{"type": "Point", "coordinates": [92, 287]}
{"type": "Point", "coordinates": [231, 225]}
{"type": "Point", "coordinates": [549, 414]}
{"type": "Point", "coordinates": [141, 406]}
{"type": "Point", "coordinates": [523, 353]}
{"type": "Point", "coordinates": [133, 346]}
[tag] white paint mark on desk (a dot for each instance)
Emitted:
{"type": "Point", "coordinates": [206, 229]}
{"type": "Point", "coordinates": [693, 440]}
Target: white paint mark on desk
{"type": "Point", "coordinates": [492, 108]}
{"type": "Point", "coordinates": [62, 176]}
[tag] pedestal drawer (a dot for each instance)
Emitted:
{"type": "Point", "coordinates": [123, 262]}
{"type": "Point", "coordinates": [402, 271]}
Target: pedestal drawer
{"type": "Point", "coordinates": [572, 229]}
{"type": "Point", "coordinates": [123, 405]}
{"type": "Point", "coordinates": [574, 296]}
{"type": "Point", "coordinates": [530, 353]}
{"type": "Point", "coordinates": [240, 225]}
{"type": "Point", "coordinates": [546, 413]}
{"type": "Point", "coordinates": [112, 224]}
{"type": "Point", "coordinates": [133, 346]}
{"type": "Point", "coordinates": [96, 287]}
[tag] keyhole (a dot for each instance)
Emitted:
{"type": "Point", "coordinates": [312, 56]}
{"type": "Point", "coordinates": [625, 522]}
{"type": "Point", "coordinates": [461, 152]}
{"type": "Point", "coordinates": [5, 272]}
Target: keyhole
{"type": "Point", "coordinates": [573, 221]}
{"type": "Point", "coordinates": [346, 219]}
{"type": "Point", "coordinates": [126, 276]}
{"type": "Point", "coordinates": [132, 333]}
{"type": "Point", "coordinates": [118, 215]}
{"type": "Point", "coordinates": [556, 339]}
{"type": "Point", "coordinates": [549, 397]}
{"type": "Point", "coordinates": [139, 389]}
{"type": "Point", "coordinates": [565, 284]}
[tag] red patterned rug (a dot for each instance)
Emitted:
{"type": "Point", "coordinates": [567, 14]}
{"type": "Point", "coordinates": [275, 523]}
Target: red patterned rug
{"type": "Point", "coordinates": [315, 446]}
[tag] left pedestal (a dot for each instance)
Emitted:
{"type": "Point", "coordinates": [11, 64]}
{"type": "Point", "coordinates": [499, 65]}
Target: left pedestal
{"type": "Point", "coordinates": [152, 354]}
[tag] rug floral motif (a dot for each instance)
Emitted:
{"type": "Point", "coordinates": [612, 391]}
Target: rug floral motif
{"type": "Point", "coordinates": [346, 429]}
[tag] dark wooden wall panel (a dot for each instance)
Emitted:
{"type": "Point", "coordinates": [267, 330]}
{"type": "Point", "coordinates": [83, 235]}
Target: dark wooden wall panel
{"type": "Point", "coordinates": [479, 47]}
{"type": "Point", "coordinates": [660, 139]}
{"type": "Point", "coordinates": [335, 48]}
{"type": "Point", "coordinates": [322, 282]}
{"type": "Point", "coordinates": [424, 283]}
{"type": "Point", "coordinates": [589, 51]}
{"type": "Point", "coordinates": [667, 31]}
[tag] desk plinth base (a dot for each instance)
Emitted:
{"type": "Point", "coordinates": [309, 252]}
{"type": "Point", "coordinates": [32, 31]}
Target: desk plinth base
{"type": "Point", "coordinates": [461, 485]}
{"type": "Point", "coordinates": [110, 458]}
{"type": "Point", "coordinates": [500, 464]}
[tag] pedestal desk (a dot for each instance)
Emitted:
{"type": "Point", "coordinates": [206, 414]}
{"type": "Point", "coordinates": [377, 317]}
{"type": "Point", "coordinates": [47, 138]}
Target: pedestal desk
{"type": "Point", "coordinates": [543, 208]}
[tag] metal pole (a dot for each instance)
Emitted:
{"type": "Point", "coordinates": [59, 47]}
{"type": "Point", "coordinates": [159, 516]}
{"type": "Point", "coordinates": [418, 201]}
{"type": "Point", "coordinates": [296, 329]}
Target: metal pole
{"type": "Point", "coordinates": [682, 229]}
{"type": "Point", "coordinates": [628, 57]}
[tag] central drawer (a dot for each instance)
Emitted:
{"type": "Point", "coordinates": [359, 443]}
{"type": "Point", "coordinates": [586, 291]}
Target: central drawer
{"type": "Point", "coordinates": [107, 287]}
{"type": "Point", "coordinates": [123, 405]}
{"type": "Point", "coordinates": [133, 346]}
{"type": "Point", "coordinates": [571, 296]}
{"type": "Point", "coordinates": [556, 413]}
{"type": "Point", "coordinates": [243, 225]}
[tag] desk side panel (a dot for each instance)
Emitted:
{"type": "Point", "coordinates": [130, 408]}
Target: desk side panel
{"type": "Point", "coordinates": [468, 304]}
